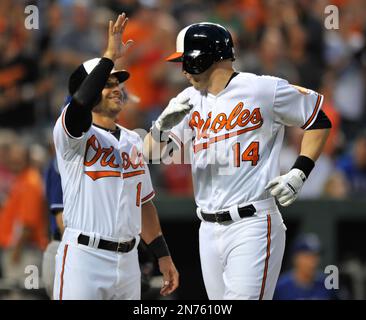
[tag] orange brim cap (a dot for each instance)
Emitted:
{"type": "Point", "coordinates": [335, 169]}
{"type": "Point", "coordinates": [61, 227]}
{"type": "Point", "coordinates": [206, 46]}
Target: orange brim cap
{"type": "Point", "coordinates": [175, 57]}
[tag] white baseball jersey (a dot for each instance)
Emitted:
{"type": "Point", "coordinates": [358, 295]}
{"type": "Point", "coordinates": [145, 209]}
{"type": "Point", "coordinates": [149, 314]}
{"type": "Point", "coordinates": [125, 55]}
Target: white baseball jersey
{"type": "Point", "coordinates": [236, 136]}
{"type": "Point", "coordinates": [104, 181]}
{"type": "Point", "coordinates": [235, 139]}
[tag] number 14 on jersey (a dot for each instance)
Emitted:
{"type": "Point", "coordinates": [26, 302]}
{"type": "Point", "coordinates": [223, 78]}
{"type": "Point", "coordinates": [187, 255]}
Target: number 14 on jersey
{"type": "Point", "coordinates": [251, 153]}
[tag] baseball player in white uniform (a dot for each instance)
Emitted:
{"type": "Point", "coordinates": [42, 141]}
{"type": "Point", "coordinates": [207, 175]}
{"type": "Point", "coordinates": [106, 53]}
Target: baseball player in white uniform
{"type": "Point", "coordinates": [233, 124]}
{"type": "Point", "coordinates": [106, 188]}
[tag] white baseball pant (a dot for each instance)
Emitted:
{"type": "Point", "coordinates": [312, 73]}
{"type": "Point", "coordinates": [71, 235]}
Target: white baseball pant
{"type": "Point", "coordinates": [88, 273]}
{"type": "Point", "coordinates": [241, 260]}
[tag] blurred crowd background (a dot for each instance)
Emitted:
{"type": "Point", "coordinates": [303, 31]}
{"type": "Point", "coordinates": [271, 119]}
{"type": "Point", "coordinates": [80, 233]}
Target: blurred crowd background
{"type": "Point", "coordinates": [284, 38]}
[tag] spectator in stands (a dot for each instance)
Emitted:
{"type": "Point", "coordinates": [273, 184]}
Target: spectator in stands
{"type": "Point", "coordinates": [336, 187]}
{"type": "Point", "coordinates": [227, 13]}
{"type": "Point", "coordinates": [353, 166]}
{"type": "Point", "coordinates": [335, 141]}
{"type": "Point", "coordinates": [310, 31]}
{"type": "Point", "coordinates": [54, 197]}
{"type": "Point", "coordinates": [23, 231]}
{"type": "Point", "coordinates": [18, 73]}
{"type": "Point", "coordinates": [342, 47]}
{"type": "Point", "coordinates": [153, 32]}
{"type": "Point", "coordinates": [7, 139]}
{"type": "Point", "coordinates": [304, 282]}
{"type": "Point", "coordinates": [75, 41]}
{"type": "Point", "coordinates": [270, 57]}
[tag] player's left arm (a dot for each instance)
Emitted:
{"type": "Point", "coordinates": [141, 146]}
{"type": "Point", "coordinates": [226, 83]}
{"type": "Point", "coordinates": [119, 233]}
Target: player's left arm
{"type": "Point", "coordinates": [152, 235]}
{"type": "Point", "coordinates": [287, 187]}
{"type": "Point", "coordinates": [60, 221]}
{"type": "Point", "coordinates": [313, 143]}
{"type": "Point", "coordinates": [317, 126]}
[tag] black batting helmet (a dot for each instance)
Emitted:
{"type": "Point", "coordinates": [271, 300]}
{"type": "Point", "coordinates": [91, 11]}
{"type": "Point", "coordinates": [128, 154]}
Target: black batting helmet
{"type": "Point", "coordinates": [200, 45]}
{"type": "Point", "coordinates": [81, 72]}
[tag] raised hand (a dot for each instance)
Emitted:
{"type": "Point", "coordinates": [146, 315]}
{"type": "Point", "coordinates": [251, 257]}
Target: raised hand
{"type": "Point", "coordinates": [116, 49]}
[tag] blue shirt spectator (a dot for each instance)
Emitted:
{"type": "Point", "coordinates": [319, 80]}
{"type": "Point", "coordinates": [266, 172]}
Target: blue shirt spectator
{"type": "Point", "coordinates": [289, 289]}
{"type": "Point", "coordinates": [304, 282]}
{"type": "Point", "coordinates": [353, 166]}
{"type": "Point", "coordinates": [54, 197]}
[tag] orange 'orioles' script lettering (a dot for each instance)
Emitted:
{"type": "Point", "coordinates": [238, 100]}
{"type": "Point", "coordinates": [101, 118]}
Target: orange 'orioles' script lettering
{"type": "Point", "coordinates": [94, 153]}
{"type": "Point", "coordinates": [239, 117]}
{"type": "Point", "coordinates": [100, 153]}
{"type": "Point", "coordinates": [134, 161]}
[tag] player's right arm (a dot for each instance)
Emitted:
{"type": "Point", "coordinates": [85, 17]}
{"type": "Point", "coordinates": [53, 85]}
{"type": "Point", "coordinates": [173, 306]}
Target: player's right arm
{"type": "Point", "coordinates": [78, 115]}
{"type": "Point", "coordinates": [156, 141]}
{"type": "Point", "coordinates": [152, 235]}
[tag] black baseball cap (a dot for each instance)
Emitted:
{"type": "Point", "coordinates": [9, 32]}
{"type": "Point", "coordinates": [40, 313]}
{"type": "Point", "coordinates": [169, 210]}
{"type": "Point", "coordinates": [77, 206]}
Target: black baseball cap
{"type": "Point", "coordinates": [81, 72]}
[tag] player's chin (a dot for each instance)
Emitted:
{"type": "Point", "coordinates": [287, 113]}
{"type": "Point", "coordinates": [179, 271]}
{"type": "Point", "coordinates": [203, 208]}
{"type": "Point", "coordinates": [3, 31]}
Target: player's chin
{"type": "Point", "coordinates": [116, 105]}
{"type": "Point", "coordinates": [119, 105]}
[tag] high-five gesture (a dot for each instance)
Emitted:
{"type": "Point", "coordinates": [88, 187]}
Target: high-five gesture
{"type": "Point", "coordinates": [116, 48]}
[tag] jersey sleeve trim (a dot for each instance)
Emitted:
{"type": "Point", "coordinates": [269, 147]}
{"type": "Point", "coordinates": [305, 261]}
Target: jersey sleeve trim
{"type": "Point", "coordinates": [312, 118]}
{"type": "Point", "coordinates": [65, 129]}
{"type": "Point", "coordinates": [148, 197]}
